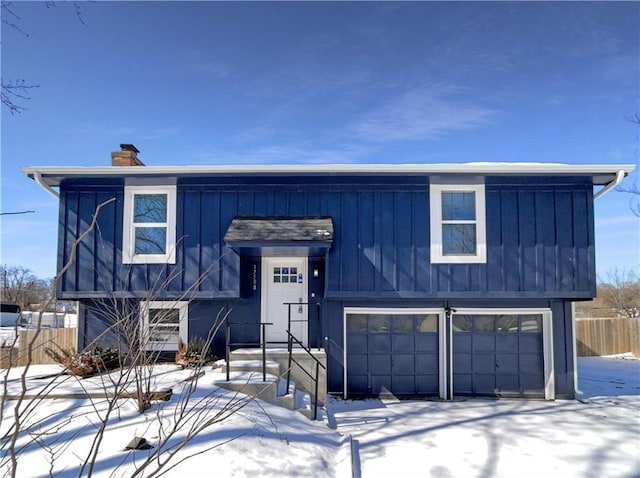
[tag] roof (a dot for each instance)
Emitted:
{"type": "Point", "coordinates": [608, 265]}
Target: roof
{"type": "Point", "coordinates": [302, 236]}
{"type": "Point", "coordinates": [308, 229]}
{"type": "Point", "coordinates": [601, 174]}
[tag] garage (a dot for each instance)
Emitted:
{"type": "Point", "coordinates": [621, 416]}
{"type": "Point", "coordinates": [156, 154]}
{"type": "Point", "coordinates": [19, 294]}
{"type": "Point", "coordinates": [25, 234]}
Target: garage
{"type": "Point", "coordinates": [480, 352]}
{"type": "Point", "coordinates": [392, 353]}
{"type": "Point", "coordinates": [498, 354]}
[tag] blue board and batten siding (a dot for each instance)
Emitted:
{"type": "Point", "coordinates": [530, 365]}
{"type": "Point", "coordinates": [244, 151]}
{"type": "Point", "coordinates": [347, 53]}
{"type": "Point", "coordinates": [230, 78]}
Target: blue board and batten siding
{"type": "Point", "coordinates": [539, 236]}
{"type": "Point", "coordinates": [540, 240]}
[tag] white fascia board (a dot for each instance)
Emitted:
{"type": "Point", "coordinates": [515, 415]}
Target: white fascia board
{"type": "Point", "coordinates": [53, 175]}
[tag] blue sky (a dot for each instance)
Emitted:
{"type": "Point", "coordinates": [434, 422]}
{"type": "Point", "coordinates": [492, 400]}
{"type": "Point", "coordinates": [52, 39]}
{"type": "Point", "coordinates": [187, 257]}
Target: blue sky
{"type": "Point", "coordinates": [303, 82]}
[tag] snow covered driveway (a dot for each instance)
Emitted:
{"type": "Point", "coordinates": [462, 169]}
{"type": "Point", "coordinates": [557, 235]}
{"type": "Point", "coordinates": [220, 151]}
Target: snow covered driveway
{"type": "Point", "coordinates": [598, 436]}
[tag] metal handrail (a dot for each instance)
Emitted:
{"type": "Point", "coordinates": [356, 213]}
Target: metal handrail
{"type": "Point", "coordinates": [315, 380]}
{"type": "Point", "coordinates": [263, 345]}
{"type": "Point", "coordinates": [290, 340]}
{"type": "Point", "coordinates": [318, 318]}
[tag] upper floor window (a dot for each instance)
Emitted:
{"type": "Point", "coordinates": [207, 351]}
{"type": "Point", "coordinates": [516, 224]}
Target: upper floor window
{"type": "Point", "coordinates": [458, 223]}
{"type": "Point", "coordinates": [149, 234]}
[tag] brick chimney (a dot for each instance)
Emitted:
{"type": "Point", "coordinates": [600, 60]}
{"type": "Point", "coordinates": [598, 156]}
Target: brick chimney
{"type": "Point", "coordinates": [127, 156]}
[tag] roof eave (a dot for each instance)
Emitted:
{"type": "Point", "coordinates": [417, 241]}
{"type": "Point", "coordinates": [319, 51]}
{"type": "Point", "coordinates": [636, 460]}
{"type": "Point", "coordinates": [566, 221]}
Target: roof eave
{"type": "Point", "coordinates": [601, 174]}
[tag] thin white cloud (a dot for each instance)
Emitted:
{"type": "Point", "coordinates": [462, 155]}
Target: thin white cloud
{"type": "Point", "coordinates": [199, 61]}
{"type": "Point", "coordinates": [423, 113]}
{"type": "Point", "coordinates": [554, 100]}
{"type": "Point", "coordinates": [623, 153]}
{"type": "Point", "coordinates": [617, 221]}
{"type": "Point", "coordinates": [283, 154]}
{"type": "Point", "coordinates": [23, 186]}
{"type": "Point", "coordinates": [262, 132]}
{"type": "Point", "coordinates": [161, 133]}
{"type": "Point", "coordinates": [95, 129]}
{"type": "Point", "coordinates": [20, 226]}
{"type": "Point", "coordinates": [100, 129]}
{"type": "Point", "coordinates": [622, 66]}
{"type": "Point", "coordinates": [209, 68]}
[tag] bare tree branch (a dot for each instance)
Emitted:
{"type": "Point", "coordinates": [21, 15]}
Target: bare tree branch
{"type": "Point", "coordinates": [76, 7]}
{"type": "Point", "coordinates": [175, 425]}
{"type": "Point", "coordinates": [13, 437]}
{"type": "Point", "coordinates": [619, 289]}
{"type": "Point", "coordinates": [20, 286]}
{"type": "Point", "coordinates": [634, 189]}
{"type": "Point", "coordinates": [7, 10]}
{"type": "Point", "coordinates": [13, 213]}
{"type": "Point", "coordinates": [634, 202]}
{"type": "Point", "coordinates": [14, 92]}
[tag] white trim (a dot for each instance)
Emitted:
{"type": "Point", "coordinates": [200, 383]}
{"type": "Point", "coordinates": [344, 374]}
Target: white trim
{"type": "Point", "coordinates": [549, 367]}
{"type": "Point", "coordinates": [128, 229]}
{"type": "Point", "coordinates": [450, 353]}
{"type": "Point", "coordinates": [547, 339]}
{"type": "Point", "coordinates": [500, 310]}
{"type": "Point", "coordinates": [443, 349]}
{"type": "Point", "coordinates": [602, 173]}
{"type": "Point", "coordinates": [391, 311]}
{"type": "Point", "coordinates": [574, 341]}
{"type": "Point", "coordinates": [183, 324]}
{"type": "Point", "coordinates": [265, 278]}
{"type": "Point", "coordinates": [436, 223]}
{"type": "Point", "coordinates": [264, 281]}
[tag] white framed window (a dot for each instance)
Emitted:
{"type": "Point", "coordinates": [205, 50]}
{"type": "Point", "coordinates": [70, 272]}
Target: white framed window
{"type": "Point", "coordinates": [458, 223]}
{"type": "Point", "coordinates": [164, 324]}
{"type": "Point", "coordinates": [149, 225]}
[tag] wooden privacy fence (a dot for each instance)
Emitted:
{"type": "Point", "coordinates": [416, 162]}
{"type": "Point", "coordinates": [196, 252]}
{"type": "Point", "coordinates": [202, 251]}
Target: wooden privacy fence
{"type": "Point", "coordinates": [47, 338]}
{"type": "Point", "coordinates": [608, 336]}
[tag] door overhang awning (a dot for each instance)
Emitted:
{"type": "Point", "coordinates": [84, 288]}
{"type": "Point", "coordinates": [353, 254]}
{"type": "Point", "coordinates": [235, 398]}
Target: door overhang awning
{"type": "Point", "coordinates": [280, 236]}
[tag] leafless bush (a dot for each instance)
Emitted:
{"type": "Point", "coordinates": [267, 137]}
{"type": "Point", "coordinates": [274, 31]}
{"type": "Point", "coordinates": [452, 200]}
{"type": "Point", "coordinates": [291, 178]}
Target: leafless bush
{"type": "Point", "coordinates": [193, 411]}
{"type": "Point", "coordinates": [88, 362]}
{"type": "Point", "coordinates": [196, 352]}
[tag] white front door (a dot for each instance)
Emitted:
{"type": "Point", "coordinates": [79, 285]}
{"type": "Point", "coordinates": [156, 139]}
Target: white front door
{"type": "Point", "coordinates": [284, 280]}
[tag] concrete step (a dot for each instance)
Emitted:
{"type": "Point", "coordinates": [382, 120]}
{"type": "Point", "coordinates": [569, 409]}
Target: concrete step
{"type": "Point", "coordinates": [245, 376]}
{"type": "Point", "coordinates": [284, 399]}
{"type": "Point", "coordinates": [272, 368]}
{"type": "Point", "coordinates": [251, 383]}
{"type": "Point", "coordinates": [306, 407]}
{"type": "Point", "coordinates": [273, 353]}
{"type": "Point", "coordinates": [281, 356]}
{"type": "Point", "coordinates": [273, 390]}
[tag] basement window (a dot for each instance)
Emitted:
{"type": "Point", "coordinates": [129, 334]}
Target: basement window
{"type": "Point", "coordinates": [149, 235]}
{"type": "Point", "coordinates": [164, 324]}
{"type": "Point", "coordinates": [458, 223]}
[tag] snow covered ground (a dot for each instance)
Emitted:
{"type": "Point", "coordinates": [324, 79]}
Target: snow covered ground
{"type": "Point", "coordinates": [597, 436]}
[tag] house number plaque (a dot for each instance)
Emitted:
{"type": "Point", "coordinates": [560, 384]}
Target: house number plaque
{"type": "Point", "coordinates": [254, 280]}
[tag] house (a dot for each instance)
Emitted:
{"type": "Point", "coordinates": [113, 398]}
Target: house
{"type": "Point", "coordinates": [414, 279]}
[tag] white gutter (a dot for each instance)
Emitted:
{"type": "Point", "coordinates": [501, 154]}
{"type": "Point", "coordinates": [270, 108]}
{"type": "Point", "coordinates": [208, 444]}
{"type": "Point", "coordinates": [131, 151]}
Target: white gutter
{"type": "Point", "coordinates": [37, 176]}
{"type": "Point", "coordinates": [619, 177]}
{"type": "Point", "coordinates": [540, 169]}
{"type": "Point", "coordinates": [52, 176]}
